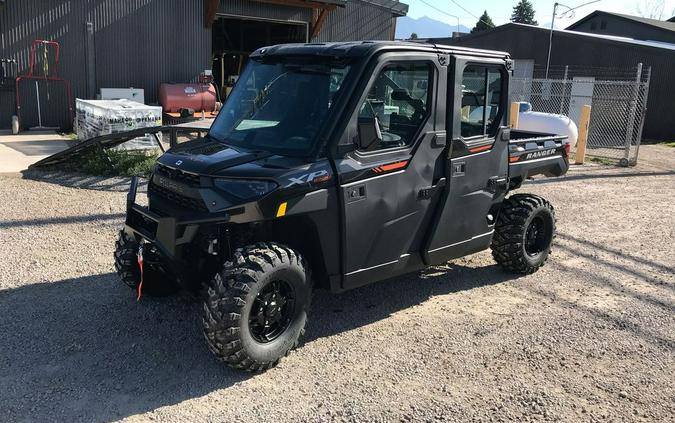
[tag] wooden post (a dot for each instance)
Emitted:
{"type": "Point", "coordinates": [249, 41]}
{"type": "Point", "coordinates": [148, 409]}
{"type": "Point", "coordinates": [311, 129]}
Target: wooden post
{"type": "Point", "coordinates": [318, 23]}
{"type": "Point", "coordinates": [515, 109]}
{"type": "Point", "coordinates": [584, 121]}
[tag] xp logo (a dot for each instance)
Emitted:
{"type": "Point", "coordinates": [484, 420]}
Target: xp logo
{"type": "Point", "coordinates": [539, 154]}
{"type": "Point", "coordinates": [179, 162]}
{"type": "Point", "coordinates": [318, 176]}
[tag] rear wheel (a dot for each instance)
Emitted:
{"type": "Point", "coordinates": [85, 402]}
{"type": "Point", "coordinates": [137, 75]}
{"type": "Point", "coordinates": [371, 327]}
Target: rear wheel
{"type": "Point", "coordinates": [256, 308]}
{"type": "Point", "coordinates": [524, 233]}
{"type": "Point", "coordinates": [156, 281]}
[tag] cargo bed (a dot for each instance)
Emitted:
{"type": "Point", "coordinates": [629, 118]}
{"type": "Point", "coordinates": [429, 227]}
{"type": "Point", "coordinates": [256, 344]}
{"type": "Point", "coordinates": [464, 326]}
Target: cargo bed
{"type": "Point", "coordinates": [536, 153]}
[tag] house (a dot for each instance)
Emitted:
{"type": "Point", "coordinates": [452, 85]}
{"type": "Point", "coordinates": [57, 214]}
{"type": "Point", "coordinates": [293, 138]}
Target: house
{"type": "Point", "coordinates": [635, 27]}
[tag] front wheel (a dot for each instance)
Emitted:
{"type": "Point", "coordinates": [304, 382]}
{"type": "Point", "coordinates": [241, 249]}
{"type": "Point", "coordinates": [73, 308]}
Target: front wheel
{"type": "Point", "coordinates": [524, 233]}
{"type": "Point", "coordinates": [256, 308]}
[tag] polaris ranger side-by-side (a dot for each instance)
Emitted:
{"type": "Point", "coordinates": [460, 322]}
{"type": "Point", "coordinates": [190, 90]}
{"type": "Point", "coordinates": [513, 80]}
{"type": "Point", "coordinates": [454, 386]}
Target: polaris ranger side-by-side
{"type": "Point", "coordinates": [337, 165]}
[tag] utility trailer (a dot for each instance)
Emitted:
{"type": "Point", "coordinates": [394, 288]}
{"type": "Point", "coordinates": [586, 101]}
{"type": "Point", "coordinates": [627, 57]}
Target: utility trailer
{"type": "Point", "coordinates": [335, 166]}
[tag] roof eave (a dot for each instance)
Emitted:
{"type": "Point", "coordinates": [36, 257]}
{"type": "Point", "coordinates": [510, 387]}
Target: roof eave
{"type": "Point", "coordinates": [396, 8]}
{"type": "Point", "coordinates": [307, 3]}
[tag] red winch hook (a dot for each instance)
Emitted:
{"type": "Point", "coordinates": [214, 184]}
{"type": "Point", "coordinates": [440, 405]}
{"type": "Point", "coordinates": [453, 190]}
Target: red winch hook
{"type": "Point", "coordinates": [139, 257]}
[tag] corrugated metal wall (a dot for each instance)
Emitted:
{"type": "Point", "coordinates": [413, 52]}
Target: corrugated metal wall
{"type": "Point", "coordinates": [141, 43]}
{"type": "Point", "coordinates": [137, 43]}
{"type": "Point", "coordinates": [360, 20]}
{"type": "Point", "coordinates": [23, 21]}
{"type": "Point", "coordinates": [581, 51]}
{"type": "Point", "coordinates": [150, 41]}
{"type": "Point", "coordinates": [265, 10]}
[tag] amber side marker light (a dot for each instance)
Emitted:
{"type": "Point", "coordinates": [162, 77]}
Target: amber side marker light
{"type": "Point", "coordinates": [281, 211]}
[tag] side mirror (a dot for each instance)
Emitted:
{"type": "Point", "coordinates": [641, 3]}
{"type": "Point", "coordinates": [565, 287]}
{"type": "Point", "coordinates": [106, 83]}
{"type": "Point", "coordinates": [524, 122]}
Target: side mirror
{"type": "Point", "coordinates": [369, 132]}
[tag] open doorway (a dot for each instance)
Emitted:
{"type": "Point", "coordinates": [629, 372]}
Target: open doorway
{"type": "Point", "coordinates": [234, 38]}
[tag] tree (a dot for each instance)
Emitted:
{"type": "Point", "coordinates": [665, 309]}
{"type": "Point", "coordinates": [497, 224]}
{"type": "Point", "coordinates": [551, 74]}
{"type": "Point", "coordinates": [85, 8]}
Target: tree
{"type": "Point", "coordinates": [484, 22]}
{"type": "Point", "coordinates": [413, 36]}
{"type": "Point", "coordinates": [652, 9]}
{"type": "Point", "coordinates": [523, 13]}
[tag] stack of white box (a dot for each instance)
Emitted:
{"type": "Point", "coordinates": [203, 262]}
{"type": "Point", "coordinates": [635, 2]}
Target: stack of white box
{"type": "Point", "coordinates": [103, 117]}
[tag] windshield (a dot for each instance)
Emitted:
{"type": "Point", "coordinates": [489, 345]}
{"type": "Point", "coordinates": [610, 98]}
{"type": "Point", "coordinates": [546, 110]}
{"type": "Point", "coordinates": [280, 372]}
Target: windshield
{"type": "Point", "coordinates": [279, 107]}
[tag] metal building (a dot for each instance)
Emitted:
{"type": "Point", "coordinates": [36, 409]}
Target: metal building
{"type": "Point", "coordinates": [142, 43]}
{"type": "Point", "coordinates": [586, 54]}
{"type": "Point", "coordinates": [636, 27]}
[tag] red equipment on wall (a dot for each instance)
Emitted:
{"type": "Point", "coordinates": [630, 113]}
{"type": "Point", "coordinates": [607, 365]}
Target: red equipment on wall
{"type": "Point", "coordinates": [33, 76]}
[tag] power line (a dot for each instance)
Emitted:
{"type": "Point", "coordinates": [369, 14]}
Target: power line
{"type": "Point", "coordinates": [569, 13]}
{"type": "Point", "coordinates": [439, 10]}
{"type": "Point", "coordinates": [479, 19]}
{"type": "Point", "coordinates": [443, 12]}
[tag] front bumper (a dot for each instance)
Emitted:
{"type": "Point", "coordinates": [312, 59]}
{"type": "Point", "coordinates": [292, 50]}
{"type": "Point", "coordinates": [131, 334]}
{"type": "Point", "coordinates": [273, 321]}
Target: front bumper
{"type": "Point", "coordinates": [168, 234]}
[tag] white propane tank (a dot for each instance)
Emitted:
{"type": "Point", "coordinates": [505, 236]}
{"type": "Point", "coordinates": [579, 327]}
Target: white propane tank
{"type": "Point", "coordinates": [549, 123]}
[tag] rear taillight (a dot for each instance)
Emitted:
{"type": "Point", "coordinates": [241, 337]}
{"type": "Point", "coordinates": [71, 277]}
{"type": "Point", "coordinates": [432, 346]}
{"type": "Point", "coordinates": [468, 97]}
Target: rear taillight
{"type": "Point", "coordinates": [568, 146]}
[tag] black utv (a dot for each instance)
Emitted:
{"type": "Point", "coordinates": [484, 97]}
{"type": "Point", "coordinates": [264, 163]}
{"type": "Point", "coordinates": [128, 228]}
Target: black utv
{"type": "Point", "coordinates": [335, 166]}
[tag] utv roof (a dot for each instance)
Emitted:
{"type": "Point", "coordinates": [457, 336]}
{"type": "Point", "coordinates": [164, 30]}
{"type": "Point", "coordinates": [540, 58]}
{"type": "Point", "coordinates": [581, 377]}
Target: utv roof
{"type": "Point", "coordinates": [369, 48]}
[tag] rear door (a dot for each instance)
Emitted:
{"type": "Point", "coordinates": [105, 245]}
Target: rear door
{"type": "Point", "coordinates": [388, 188]}
{"type": "Point", "coordinates": [477, 162]}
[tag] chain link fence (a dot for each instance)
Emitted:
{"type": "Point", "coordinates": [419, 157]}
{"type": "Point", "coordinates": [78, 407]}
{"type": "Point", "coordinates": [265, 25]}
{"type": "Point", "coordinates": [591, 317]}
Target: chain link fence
{"type": "Point", "coordinates": [618, 106]}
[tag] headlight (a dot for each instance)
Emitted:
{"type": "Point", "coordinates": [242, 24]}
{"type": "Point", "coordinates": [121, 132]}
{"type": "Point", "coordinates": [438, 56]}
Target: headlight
{"type": "Point", "coordinates": [245, 189]}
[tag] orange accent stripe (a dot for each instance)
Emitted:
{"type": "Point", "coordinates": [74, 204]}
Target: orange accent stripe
{"type": "Point", "coordinates": [481, 148]}
{"type": "Point", "coordinates": [393, 166]}
{"type": "Point", "coordinates": [514, 159]}
{"type": "Point", "coordinates": [320, 179]}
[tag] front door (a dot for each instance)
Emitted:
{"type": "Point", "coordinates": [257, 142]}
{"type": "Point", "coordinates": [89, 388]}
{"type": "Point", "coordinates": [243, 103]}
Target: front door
{"type": "Point", "coordinates": [477, 163]}
{"type": "Point", "coordinates": [387, 187]}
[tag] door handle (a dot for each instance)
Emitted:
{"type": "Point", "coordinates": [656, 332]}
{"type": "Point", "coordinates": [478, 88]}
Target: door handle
{"type": "Point", "coordinates": [428, 192]}
{"type": "Point", "coordinates": [497, 184]}
{"type": "Point", "coordinates": [356, 193]}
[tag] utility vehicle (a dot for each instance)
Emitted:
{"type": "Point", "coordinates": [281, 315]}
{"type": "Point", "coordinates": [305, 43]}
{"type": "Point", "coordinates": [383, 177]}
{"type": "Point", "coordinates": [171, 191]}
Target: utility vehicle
{"type": "Point", "coordinates": [335, 166]}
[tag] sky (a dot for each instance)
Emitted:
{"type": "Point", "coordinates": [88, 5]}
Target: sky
{"type": "Point", "coordinates": [500, 10]}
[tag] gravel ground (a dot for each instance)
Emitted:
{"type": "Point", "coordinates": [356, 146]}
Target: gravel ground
{"type": "Point", "coordinates": [589, 337]}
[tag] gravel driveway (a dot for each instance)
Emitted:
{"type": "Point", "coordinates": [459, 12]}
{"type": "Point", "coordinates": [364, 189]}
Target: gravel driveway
{"type": "Point", "coordinates": [591, 336]}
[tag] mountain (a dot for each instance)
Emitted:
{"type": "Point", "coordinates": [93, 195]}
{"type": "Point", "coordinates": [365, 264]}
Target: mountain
{"type": "Point", "coordinates": [425, 27]}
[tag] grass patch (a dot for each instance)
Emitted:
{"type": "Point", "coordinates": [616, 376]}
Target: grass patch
{"type": "Point", "coordinates": [113, 163]}
{"type": "Point", "coordinates": [603, 161]}
{"type": "Point", "coordinates": [669, 144]}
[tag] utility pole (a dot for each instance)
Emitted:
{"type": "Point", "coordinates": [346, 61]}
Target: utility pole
{"type": "Point", "coordinates": [550, 40]}
{"type": "Point", "coordinates": [569, 13]}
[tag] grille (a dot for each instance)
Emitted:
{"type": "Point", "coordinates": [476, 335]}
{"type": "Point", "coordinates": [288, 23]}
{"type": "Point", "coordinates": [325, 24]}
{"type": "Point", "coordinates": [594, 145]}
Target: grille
{"type": "Point", "coordinates": [188, 179]}
{"type": "Point", "coordinates": [178, 199]}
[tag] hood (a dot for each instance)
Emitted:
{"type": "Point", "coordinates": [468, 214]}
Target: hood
{"type": "Point", "coordinates": [206, 156]}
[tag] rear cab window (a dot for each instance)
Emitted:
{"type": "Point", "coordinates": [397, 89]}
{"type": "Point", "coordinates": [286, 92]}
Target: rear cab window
{"type": "Point", "coordinates": [481, 101]}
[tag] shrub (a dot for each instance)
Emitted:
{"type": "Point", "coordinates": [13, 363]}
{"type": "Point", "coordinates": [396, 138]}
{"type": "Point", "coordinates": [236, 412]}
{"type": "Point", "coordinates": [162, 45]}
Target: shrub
{"type": "Point", "coordinates": [113, 162]}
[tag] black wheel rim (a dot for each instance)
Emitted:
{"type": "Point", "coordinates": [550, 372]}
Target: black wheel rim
{"type": "Point", "coordinates": [272, 311]}
{"type": "Point", "coordinates": [536, 236]}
